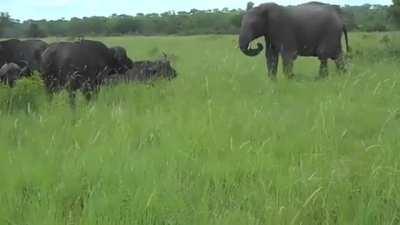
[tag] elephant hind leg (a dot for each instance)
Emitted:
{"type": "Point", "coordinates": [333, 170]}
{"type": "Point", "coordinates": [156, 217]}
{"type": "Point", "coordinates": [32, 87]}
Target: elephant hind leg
{"type": "Point", "coordinates": [288, 63]}
{"type": "Point", "coordinates": [341, 64]}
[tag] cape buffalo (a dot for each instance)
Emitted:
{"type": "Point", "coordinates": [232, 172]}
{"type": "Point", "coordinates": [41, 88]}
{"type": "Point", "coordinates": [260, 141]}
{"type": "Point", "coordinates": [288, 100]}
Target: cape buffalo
{"type": "Point", "coordinates": [32, 52]}
{"type": "Point", "coordinates": [10, 73]}
{"type": "Point", "coordinates": [121, 56]}
{"type": "Point", "coordinates": [143, 71]}
{"type": "Point", "coordinates": [19, 52]}
{"type": "Point", "coordinates": [81, 65]}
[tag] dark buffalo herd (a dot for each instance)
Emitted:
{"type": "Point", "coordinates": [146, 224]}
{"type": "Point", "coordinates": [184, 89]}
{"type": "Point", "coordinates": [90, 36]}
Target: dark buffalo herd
{"type": "Point", "coordinates": [83, 65]}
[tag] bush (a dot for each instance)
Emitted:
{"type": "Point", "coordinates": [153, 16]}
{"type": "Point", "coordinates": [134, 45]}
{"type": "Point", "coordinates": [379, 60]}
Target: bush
{"type": "Point", "coordinates": [376, 28]}
{"type": "Point", "coordinates": [25, 96]}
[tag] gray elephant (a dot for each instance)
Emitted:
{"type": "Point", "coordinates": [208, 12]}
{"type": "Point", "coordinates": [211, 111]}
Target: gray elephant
{"type": "Point", "coordinates": [310, 29]}
{"type": "Point", "coordinates": [11, 72]}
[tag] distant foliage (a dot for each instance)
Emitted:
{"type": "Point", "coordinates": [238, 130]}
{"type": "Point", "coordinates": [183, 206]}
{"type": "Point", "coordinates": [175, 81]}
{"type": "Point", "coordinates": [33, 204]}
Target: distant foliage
{"type": "Point", "coordinates": [250, 5]}
{"type": "Point", "coordinates": [225, 21]}
{"type": "Point", "coordinates": [368, 18]}
{"type": "Point", "coordinates": [34, 31]}
{"type": "Point", "coordinates": [4, 22]}
{"type": "Point", "coordinates": [395, 11]}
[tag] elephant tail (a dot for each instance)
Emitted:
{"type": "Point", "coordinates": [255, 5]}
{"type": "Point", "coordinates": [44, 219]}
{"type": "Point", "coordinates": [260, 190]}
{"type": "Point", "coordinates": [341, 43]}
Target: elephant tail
{"type": "Point", "coordinates": [347, 38]}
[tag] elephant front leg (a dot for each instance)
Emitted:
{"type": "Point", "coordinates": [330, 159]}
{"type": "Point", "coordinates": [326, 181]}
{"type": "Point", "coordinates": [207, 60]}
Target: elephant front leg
{"type": "Point", "coordinates": [272, 62]}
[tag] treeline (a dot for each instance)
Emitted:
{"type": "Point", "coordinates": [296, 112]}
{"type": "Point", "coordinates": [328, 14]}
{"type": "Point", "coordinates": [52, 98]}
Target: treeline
{"type": "Point", "coordinates": [226, 21]}
{"type": "Point", "coordinates": [369, 18]}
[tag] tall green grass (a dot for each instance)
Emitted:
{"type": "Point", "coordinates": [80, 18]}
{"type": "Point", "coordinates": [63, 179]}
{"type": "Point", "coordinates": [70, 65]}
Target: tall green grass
{"type": "Point", "coordinates": [219, 145]}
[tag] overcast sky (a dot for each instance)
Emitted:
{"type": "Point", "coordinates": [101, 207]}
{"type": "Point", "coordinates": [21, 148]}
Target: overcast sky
{"type": "Point", "coordinates": [56, 9]}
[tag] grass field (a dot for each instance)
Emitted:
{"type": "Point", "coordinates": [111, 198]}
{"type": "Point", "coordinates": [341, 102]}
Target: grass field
{"type": "Point", "coordinates": [219, 145]}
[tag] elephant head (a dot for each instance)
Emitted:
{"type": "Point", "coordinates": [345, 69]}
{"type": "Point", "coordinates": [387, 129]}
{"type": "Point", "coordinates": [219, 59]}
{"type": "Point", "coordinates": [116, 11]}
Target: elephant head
{"type": "Point", "coordinates": [255, 24]}
{"type": "Point", "coordinates": [123, 62]}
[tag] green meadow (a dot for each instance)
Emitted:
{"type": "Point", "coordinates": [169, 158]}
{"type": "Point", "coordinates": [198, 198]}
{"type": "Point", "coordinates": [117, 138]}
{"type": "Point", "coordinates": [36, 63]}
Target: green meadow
{"type": "Point", "coordinates": [219, 145]}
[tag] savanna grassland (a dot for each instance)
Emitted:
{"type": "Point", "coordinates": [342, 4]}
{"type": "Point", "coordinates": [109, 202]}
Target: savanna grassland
{"type": "Point", "coordinates": [219, 145]}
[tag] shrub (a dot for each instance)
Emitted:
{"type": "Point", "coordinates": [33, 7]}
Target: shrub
{"type": "Point", "coordinates": [25, 96]}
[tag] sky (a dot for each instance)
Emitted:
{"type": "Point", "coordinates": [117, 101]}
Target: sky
{"type": "Point", "coordinates": [56, 9]}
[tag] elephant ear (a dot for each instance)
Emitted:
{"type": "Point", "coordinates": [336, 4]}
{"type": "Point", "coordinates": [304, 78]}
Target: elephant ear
{"type": "Point", "coordinates": [274, 16]}
{"type": "Point", "coordinates": [271, 11]}
{"type": "Point", "coordinates": [260, 10]}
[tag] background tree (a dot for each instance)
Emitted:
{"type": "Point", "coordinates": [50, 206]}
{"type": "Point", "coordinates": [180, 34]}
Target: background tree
{"type": "Point", "coordinates": [395, 11]}
{"type": "Point", "coordinates": [4, 22]}
{"type": "Point", "coordinates": [34, 31]}
{"type": "Point", "coordinates": [214, 21]}
{"type": "Point", "coordinates": [250, 5]}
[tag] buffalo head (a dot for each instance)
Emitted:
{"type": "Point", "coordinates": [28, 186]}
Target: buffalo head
{"type": "Point", "coordinates": [122, 62]}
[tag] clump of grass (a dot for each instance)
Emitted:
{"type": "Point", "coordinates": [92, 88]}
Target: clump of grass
{"type": "Point", "coordinates": [27, 95]}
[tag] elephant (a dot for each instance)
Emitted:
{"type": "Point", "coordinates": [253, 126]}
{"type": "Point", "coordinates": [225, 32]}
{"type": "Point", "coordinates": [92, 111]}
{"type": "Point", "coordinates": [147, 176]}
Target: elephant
{"type": "Point", "coordinates": [312, 29]}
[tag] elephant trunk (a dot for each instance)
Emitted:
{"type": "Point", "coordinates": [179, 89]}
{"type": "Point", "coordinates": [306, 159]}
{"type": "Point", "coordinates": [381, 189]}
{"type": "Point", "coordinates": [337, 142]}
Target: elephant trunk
{"type": "Point", "coordinates": [244, 44]}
